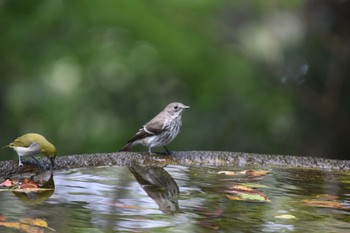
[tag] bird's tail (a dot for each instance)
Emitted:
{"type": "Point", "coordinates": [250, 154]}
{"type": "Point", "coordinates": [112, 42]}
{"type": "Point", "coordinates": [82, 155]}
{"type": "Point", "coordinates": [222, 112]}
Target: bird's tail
{"type": "Point", "coordinates": [126, 147]}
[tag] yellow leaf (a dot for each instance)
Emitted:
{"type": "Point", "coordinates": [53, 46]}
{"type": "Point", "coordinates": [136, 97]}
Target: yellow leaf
{"type": "Point", "coordinates": [235, 198]}
{"type": "Point", "coordinates": [10, 224]}
{"type": "Point", "coordinates": [229, 173]}
{"type": "Point", "coordinates": [253, 173]}
{"type": "Point", "coordinates": [254, 185]}
{"type": "Point", "coordinates": [35, 222]}
{"type": "Point", "coordinates": [286, 216]}
{"type": "Point", "coordinates": [22, 227]}
{"type": "Point", "coordinates": [242, 188]}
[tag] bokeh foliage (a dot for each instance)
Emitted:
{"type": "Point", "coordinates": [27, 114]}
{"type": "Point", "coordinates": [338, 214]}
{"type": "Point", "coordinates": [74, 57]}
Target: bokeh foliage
{"type": "Point", "coordinates": [260, 76]}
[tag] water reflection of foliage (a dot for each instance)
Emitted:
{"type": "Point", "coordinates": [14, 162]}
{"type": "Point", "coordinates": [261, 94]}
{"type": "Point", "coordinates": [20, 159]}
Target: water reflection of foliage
{"type": "Point", "coordinates": [159, 185]}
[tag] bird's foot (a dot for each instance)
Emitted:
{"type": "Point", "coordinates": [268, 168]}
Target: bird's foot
{"type": "Point", "coordinates": [35, 160]}
{"type": "Point", "coordinates": [168, 152]}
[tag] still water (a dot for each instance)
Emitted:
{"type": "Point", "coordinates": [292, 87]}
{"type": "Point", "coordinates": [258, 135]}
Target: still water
{"type": "Point", "coordinates": [183, 199]}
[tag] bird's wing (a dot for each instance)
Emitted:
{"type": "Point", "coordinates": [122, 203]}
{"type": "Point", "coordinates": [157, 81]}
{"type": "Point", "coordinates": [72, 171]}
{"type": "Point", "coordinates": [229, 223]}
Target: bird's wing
{"type": "Point", "coordinates": [145, 132]}
{"type": "Point", "coordinates": [140, 135]}
{"type": "Point", "coordinates": [20, 141]}
{"type": "Point", "coordinates": [153, 127]}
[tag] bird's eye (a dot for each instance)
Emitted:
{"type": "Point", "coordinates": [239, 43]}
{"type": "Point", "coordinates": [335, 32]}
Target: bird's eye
{"type": "Point", "coordinates": [176, 107]}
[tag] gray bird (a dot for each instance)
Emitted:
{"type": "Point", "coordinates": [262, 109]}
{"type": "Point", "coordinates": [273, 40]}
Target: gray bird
{"type": "Point", "coordinates": [161, 130]}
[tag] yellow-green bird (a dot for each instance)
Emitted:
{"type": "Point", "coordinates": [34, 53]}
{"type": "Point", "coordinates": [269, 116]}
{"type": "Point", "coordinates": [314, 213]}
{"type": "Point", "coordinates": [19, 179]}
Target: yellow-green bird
{"type": "Point", "coordinates": [31, 144]}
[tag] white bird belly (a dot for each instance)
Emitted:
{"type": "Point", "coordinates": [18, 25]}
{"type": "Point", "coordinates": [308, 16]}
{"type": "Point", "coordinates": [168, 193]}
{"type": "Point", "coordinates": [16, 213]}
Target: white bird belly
{"type": "Point", "coordinates": [27, 151]}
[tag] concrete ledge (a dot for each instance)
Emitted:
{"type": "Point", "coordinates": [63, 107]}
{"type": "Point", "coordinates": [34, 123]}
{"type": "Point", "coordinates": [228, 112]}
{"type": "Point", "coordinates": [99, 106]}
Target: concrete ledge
{"type": "Point", "coordinates": [188, 158]}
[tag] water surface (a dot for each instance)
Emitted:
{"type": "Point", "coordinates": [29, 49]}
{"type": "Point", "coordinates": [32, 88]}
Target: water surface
{"type": "Point", "coordinates": [182, 199]}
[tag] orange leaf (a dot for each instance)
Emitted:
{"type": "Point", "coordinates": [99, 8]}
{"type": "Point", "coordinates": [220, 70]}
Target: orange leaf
{"type": "Point", "coordinates": [2, 218]}
{"type": "Point", "coordinates": [326, 197]}
{"type": "Point", "coordinates": [212, 213]}
{"type": "Point", "coordinates": [25, 181]}
{"type": "Point", "coordinates": [326, 204]}
{"type": "Point", "coordinates": [6, 183]}
{"type": "Point", "coordinates": [28, 185]}
{"type": "Point", "coordinates": [212, 226]}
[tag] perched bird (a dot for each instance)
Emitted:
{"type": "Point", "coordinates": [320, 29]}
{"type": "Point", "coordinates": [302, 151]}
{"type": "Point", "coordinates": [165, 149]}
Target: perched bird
{"type": "Point", "coordinates": [161, 130]}
{"type": "Point", "coordinates": [31, 144]}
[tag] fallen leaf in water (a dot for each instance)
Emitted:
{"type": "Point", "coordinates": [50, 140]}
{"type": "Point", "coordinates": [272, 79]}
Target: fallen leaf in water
{"type": "Point", "coordinates": [6, 183]}
{"type": "Point", "coordinates": [28, 184]}
{"type": "Point", "coordinates": [285, 216]}
{"type": "Point", "coordinates": [26, 190]}
{"type": "Point", "coordinates": [15, 182]}
{"type": "Point", "coordinates": [254, 185]}
{"type": "Point", "coordinates": [34, 222]}
{"type": "Point", "coordinates": [2, 218]}
{"type": "Point", "coordinates": [243, 193]}
{"type": "Point", "coordinates": [212, 226]}
{"type": "Point", "coordinates": [326, 204]}
{"type": "Point", "coordinates": [254, 173]}
{"type": "Point", "coordinates": [326, 197]}
{"type": "Point", "coordinates": [25, 185]}
{"type": "Point", "coordinates": [243, 188]}
{"type": "Point", "coordinates": [229, 173]}
{"type": "Point", "coordinates": [255, 197]}
{"type": "Point", "coordinates": [234, 198]}
{"type": "Point", "coordinates": [28, 225]}
{"type": "Point", "coordinates": [326, 201]}
{"type": "Point", "coordinates": [212, 213]}
{"type": "Point", "coordinates": [20, 227]}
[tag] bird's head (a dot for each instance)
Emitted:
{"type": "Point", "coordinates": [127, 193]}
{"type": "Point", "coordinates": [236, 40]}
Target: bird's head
{"type": "Point", "coordinates": [50, 151]}
{"type": "Point", "coordinates": [176, 108]}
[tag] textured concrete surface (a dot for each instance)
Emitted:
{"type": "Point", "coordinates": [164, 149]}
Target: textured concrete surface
{"type": "Point", "coordinates": [187, 158]}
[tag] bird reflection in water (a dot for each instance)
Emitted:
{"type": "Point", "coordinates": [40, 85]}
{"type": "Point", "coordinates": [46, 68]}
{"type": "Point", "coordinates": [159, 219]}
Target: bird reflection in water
{"type": "Point", "coordinates": [159, 185]}
{"type": "Point", "coordinates": [45, 184]}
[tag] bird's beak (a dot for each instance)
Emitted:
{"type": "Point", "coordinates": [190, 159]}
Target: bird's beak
{"type": "Point", "coordinates": [186, 107]}
{"type": "Point", "coordinates": [52, 159]}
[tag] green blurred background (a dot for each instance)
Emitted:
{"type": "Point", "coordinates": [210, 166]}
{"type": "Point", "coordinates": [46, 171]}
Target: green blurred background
{"type": "Point", "coordinates": [261, 76]}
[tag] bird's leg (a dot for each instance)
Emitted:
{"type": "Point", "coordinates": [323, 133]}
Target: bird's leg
{"type": "Point", "coordinates": [36, 160]}
{"type": "Point", "coordinates": [150, 151]}
{"type": "Point", "coordinates": [52, 160]}
{"type": "Point", "coordinates": [20, 164]}
{"type": "Point", "coordinates": [39, 163]}
{"type": "Point", "coordinates": [167, 151]}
